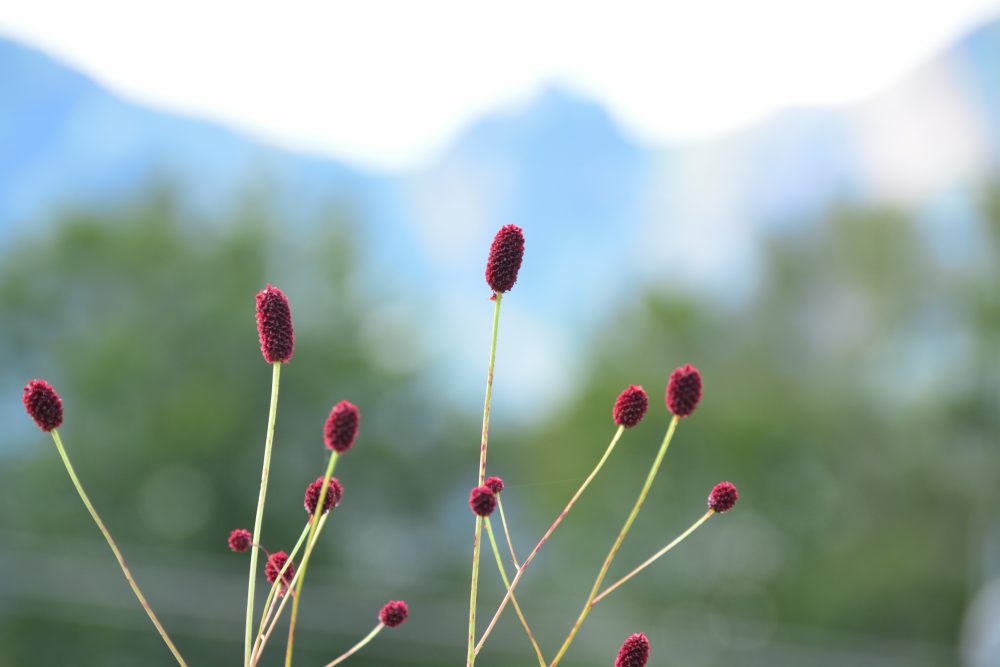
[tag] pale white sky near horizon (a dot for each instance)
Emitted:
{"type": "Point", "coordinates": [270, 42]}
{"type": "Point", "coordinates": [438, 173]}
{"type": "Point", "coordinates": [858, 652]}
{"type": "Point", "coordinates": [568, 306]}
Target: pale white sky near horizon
{"type": "Point", "coordinates": [389, 83]}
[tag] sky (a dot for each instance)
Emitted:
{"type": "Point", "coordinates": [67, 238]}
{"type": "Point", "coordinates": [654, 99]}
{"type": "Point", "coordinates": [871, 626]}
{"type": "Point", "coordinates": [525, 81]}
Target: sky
{"type": "Point", "coordinates": [388, 84]}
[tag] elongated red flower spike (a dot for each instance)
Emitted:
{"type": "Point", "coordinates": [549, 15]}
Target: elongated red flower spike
{"type": "Point", "coordinates": [631, 406]}
{"type": "Point", "coordinates": [723, 497]}
{"type": "Point", "coordinates": [504, 261]}
{"type": "Point", "coordinates": [684, 390]}
{"type": "Point", "coordinates": [334, 492]}
{"type": "Point", "coordinates": [274, 325]}
{"type": "Point", "coordinates": [240, 540]}
{"type": "Point", "coordinates": [634, 652]}
{"type": "Point", "coordinates": [341, 428]}
{"type": "Point", "coordinates": [394, 613]}
{"type": "Point", "coordinates": [273, 567]}
{"type": "Point", "coordinates": [43, 405]}
{"type": "Point", "coordinates": [495, 484]}
{"type": "Point", "coordinates": [482, 500]}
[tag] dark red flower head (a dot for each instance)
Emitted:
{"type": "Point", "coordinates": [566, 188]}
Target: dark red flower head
{"type": "Point", "coordinates": [334, 492]}
{"type": "Point", "coordinates": [504, 261]}
{"type": "Point", "coordinates": [394, 613]}
{"type": "Point", "coordinates": [634, 652]}
{"type": "Point", "coordinates": [273, 568]}
{"type": "Point", "coordinates": [631, 406]}
{"type": "Point", "coordinates": [43, 404]}
{"type": "Point", "coordinates": [684, 390]}
{"type": "Point", "coordinates": [495, 484]}
{"type": "Point", "coordinates": [482, 500]}
{"type": "Point", "coordinates": [240, 540]}
{"type": "Point", "coordinates": [723, 497]}
{"type": "Point", "coordinates": [274, 325]}
{"type": "Point", "coordinates": [341, 427]}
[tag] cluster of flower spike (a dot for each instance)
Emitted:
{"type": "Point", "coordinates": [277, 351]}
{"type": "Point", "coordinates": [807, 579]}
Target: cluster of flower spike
{"type": "Point", "coordinates": [682, 397]}
{"type": "Point", "coordinates": [340, 432]}
{"type": "Point", "coordinates": [277, 343]}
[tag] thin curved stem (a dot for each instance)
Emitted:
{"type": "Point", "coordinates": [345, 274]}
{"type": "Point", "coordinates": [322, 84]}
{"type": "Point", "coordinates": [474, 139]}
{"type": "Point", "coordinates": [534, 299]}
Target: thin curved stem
{"type": "Point", "coordinates": [506, 532]}
{"type": "Point", "coordinates": [262, 642]}
{"type": "Point", "coordinates": [281, 574]}
{"type": "Point", "coordinates": [310, 544]}
{"type": "Point", "coordinates": [517, 607]}
{"type": "Point", "coordinates": [357, 647]}
{"type": "Point", "coordinates": [262, 638]}
{"type": "Point", "coordinates": [478, 538]}
{"type": "Point", "coordinates": [548, 533]}
{"type": "Point", "coordinates": [114, 548]}
{"type": "Point", "coordinates": [652, 559]}
{"type": "Point", "coordinates": [265, 471]}
{"type": "Point", "coordinates": [269, 609]}
{"type": "Point", "coordinates": [618, 541]}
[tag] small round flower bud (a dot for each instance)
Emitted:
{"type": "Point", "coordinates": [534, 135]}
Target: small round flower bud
{"type": "Point", "coordinates": [341, 427]}
{"type": "Point", "coordinates": [723, 497]}
{"type": "Point", "coordinates": [495, 484]}
{"type": "Point", "coordinates": [634, 652]}
{"type": "Point", "coordinates": [240, 540]}
{"type": "Point", "coordinates": [334, 492]}
{"type": "Point", "coordinates": [482, 500]}
{"type": "Point", "coordinates": [273, 568]}
{"type": "Point", "coordinates": [631, 406]}
{"type": "Point", "coordinates": [684, 390]}
{"type": "Point", "coordinates": [274, 325]}
{"type": "Point", "coordinates": [394, 613]}
{"type": "Point", "coordinates": [504, 261]}
{"type": "Point", "coordinates": [43, 404]}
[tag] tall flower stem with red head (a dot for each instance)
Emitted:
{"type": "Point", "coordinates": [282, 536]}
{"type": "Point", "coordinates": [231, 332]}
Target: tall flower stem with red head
{"type": "Point", "coordinates": [277, 343]}
{"type": "Point", "coordinates": [478, 538]}
{"type": "Point", "coordinates": [502, 267]}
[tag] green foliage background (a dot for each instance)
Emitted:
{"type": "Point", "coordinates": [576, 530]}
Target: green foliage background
{"type": "Point", "coordinates": [853, 400]}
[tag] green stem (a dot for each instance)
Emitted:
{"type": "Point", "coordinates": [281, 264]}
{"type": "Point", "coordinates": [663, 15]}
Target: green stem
{"type": "Point", "coordinates": [259, 648]}
{"type": "Point", "coordinates": [310, 544]}
{"type": "Point", "coordinates": [506, 532]}
{"type": "Point", "coordinates": [548, 533]}
{"type": "Point", "coordinates": [618, 541]}
{"type": "Point", "coordinates": [477, 540]}
{"type": "Point", "coordinates": [268, 442]}
{"type": "Point", "coordinates": [262, 641]}
{"type": "Point", "coordinates": [357, 647]}
{"type": "Point", "coordinates": [506, 583]}
{"type": "Point", "coordinates": [281, 574]}
{"type": "Point", "coordinates": [652, 559]}
{"type": "Point", "coordinates": [114, 549]}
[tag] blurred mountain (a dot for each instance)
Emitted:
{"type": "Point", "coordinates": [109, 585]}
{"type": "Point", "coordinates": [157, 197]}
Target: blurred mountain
{"type": "Point", "coordinates": [608, 213]}
{"type": "Point", "coordinates": [559, 165]}
{"type": "Point", "coordinates": [66, 141]}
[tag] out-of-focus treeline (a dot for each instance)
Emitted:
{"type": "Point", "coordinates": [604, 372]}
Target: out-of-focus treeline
{"type": "Point", "coordinates": [853, 399]}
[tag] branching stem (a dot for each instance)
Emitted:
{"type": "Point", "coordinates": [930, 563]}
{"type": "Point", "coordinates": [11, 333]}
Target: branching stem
{"type": "Point", "coordinates": [618, 541]}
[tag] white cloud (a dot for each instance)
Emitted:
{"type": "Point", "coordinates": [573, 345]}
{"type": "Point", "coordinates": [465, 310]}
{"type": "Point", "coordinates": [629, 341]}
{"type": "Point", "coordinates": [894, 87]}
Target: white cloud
{"type": "Point", "coordinates": [389, 82]}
